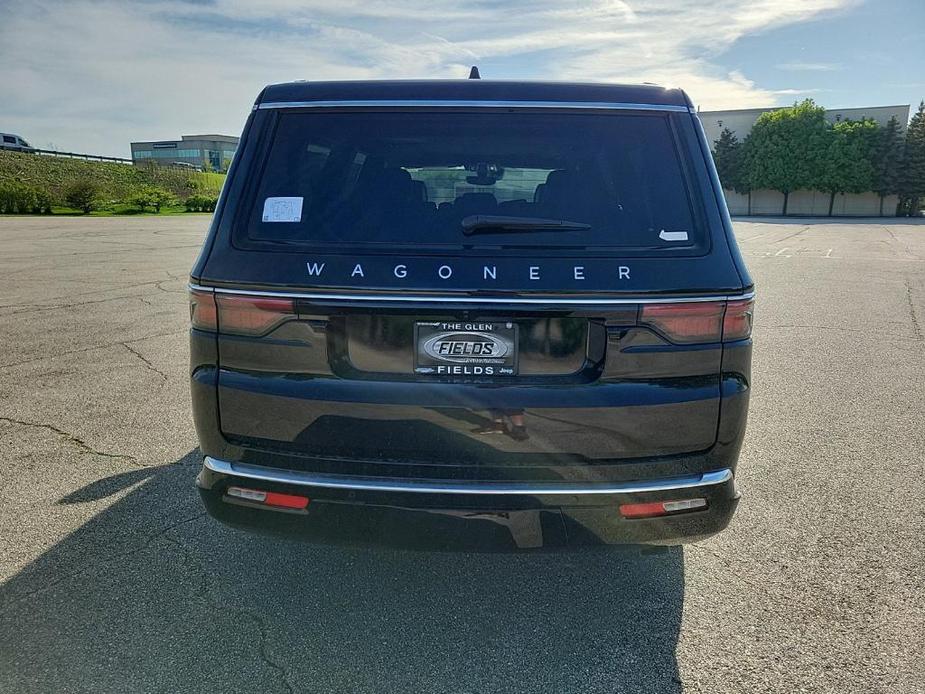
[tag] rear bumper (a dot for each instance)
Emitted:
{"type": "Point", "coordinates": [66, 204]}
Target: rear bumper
{"type": "Point", "coordinates": [448, 514]}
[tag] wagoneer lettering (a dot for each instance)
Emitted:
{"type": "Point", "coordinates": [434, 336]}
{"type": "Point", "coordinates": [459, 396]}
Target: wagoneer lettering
{"type": "Point", "coordinates": [498, 315]}
{"type": "Point", "coordinates": [339, 273]}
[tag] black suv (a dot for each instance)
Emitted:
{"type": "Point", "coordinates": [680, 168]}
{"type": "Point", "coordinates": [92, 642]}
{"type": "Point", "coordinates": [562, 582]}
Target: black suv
{"type": "Point", "coordinates": [471, 314]}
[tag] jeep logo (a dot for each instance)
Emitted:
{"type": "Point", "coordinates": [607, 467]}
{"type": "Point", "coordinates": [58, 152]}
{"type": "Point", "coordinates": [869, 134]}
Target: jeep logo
{"type": "Point", "coordinates": [464, 347]}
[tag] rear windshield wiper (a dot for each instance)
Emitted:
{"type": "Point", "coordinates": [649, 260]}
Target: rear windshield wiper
{"type": "Point", "coordinates": [499, 224]}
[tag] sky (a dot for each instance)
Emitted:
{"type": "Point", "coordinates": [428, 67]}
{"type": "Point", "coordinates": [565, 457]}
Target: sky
{"type": "Point", "coordinates": [93, 75]}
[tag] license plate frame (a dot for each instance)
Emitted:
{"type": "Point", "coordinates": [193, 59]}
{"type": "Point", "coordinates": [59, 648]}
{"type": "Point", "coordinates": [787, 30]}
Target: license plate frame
{"type": "Point", "coordinates": [466, 349]}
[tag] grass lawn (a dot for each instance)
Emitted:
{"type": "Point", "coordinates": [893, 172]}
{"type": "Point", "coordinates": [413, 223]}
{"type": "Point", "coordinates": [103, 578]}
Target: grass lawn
{"type": "Point", "coordinates": [120, 210]}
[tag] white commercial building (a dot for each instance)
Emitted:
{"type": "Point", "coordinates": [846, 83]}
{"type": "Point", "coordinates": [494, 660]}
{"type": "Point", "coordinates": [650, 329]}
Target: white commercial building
{"type": "Point", "coordinates": [802, 202]}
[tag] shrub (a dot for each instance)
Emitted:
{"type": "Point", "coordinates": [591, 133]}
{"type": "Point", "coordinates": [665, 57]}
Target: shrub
{"type": "Point", "coordinates": [14, 198]}
{"type": "Point", "coordinates": [151, 196]}
{"type": "Point", "coordinates": [163, 198]}
{"type": "Point", "coordinates": [82, 195]}
{"type": "Point", "coordinates": [42, 202]}
{"type": "Point", "coordinates": [142, 198]}
{"type": "Point", "coordinates": [18, 198]}
{"type": "Point", "coordinates": [200, 203]}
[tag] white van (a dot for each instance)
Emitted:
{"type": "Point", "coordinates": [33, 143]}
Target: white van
{"type": "Point", "coordinates": [15, 143]}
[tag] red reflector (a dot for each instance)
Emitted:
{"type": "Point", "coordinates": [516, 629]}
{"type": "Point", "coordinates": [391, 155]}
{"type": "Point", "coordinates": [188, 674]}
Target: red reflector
{"type": "Point", "coordinates": [737, 325]}
{"type": "Point", "coordinates": [258, 496]}
{"type": "Point", "coordinates": [655, 508]}
{"type": "Point", "coordinates": [661, 508]}
{"type": "Point", "coordinates": [286, 500]}
{"type": "Point", "coordinates": [202, 311]}
{"type": "Point", "coordinates": [699, 321]}
{"type": "Point", "coordinates": [252, 315]}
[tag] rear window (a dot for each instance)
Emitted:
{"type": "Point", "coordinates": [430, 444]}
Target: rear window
{"type": "Point", "coordinates": [420, 178]}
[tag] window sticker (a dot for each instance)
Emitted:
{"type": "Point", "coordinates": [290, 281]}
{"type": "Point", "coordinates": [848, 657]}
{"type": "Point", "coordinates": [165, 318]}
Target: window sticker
{"type": "Point", "coordinates": [282, 210]}
{"type": "Point", "coordinates": [673, 235]}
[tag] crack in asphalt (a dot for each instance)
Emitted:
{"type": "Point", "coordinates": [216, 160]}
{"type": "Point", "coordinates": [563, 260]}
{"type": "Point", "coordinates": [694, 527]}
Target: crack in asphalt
{"type": "Point", "coordinates": [790, 236]}
{"type": "Point", "coordinates": [148, 541]}
{"type": "Point", "coordinates": [157, 285]}
{"type": "Point", "coordinates": [90, 349]}
{"type": "Point", "coordinates": [106, 252]}
{"type": "Point", "coordinates": [55, 307]}
{"type": "Point", "coordinates": [144, 360]}
{"type": "Point", "coordinates": [80, 444]}
{"type": "Point", "coordinates": [259, 622]}
{"type": "Point", "coordinates": [916, 328]}
{"type": "Point", "coordinates": [98, 290]}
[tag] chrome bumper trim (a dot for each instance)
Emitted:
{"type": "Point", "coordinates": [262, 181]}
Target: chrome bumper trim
{"type": "Point", "coordinates": [380, 484]}
{"type": "Point", "coordinates": [459, 299]}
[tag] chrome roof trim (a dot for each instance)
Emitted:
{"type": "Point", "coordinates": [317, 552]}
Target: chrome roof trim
{"type": "Point", "coordinates": [489, 300]}
{"type": "Point", "coordinates": [466, 103]}
{"type": "Point", "coordinates": [378, 484]}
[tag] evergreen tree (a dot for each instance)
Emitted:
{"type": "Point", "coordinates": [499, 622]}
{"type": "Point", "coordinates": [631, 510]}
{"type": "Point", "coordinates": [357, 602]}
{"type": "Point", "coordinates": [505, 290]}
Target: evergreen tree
{"type": "Point", "coordinates": [912, 184]}
{"type": "Point", "coordinates": [786, 149]}
{"type": "Point", "coordinates": [846, 166]}
{"type": "Point", "coordinates": [887, 160]}
{"type": "Point", "coordinates": [728, 156]}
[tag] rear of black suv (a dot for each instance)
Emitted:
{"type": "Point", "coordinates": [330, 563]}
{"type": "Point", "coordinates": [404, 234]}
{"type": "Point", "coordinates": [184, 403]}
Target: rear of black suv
{"type": "Point", "coordinates": [471, 315]}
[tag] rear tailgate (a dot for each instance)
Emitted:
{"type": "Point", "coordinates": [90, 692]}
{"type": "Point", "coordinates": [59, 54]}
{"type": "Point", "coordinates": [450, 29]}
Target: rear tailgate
{"type": "Point", "coordinates": [348, 247]}
{"type": "Point", "coordinates": [334, 380]}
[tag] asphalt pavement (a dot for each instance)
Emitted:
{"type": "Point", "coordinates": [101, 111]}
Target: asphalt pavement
{"type": "Point", "coordinates": [113, 580]}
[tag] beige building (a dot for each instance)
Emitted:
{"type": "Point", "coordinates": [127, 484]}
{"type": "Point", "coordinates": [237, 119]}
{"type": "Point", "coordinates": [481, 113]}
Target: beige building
{"type": "Point", "coordinates": [802, 202]}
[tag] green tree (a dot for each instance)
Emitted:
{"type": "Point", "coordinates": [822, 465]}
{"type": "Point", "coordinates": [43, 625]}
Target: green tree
{"type": "Point", "coordinates": [162, 198]}
{"type": "Point", "coordinates": [152, 196]}
{"type": "Point", "coordinates": [728, 156]}
{"type": "Point", "coordinates": [786, 149]}
{"type": "Point", "coordinates": [887, 160]}
{"type": "Point", "coordinates": [143, 198]}
{"type": "Point", "coordinates": [847, 166]}
{"type": "Point", "coordinates": [912, 182]}
{"type": "Point", "coordinates": [83, 195]}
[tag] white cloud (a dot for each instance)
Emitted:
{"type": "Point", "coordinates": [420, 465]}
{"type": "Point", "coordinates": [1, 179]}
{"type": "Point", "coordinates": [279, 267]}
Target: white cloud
{"type": "Point", "coordinates": [797, 92]}
{"type": "Point", "coordinates": [809, 67]}
{"type": "Point", "coordinates": [93, 75]}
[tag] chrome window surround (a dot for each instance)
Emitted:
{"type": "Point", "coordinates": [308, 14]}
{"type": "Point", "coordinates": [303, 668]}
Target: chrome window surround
{"type": "Point", "coordinates": [452, 103]}
{"type": "Point", "coordinates": [444, 299]}
{"type": "Point", "coordinates": [375, 484]}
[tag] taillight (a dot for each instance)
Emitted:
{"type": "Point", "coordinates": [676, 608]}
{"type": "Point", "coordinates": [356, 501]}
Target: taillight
{"type": "Point", "coordinates": [700, 321]}
{"type": "Point", "coordinates": [737, 325]}
{"type": "Point", "coordinates": [251, 315]}
{"type": "Point", "coordinates": [237, 314]}
{"type": "Point", "coordinates": [202, 312]}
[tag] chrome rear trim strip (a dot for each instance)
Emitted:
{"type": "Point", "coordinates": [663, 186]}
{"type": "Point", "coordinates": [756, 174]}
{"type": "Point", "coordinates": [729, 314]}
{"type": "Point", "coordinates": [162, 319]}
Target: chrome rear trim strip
{"type": "Point", "coordinates": [375, 484]}
{"type": "Point", "coordinates": [491, 300]}
{"type": "Point", "coordinates": [462, 103]}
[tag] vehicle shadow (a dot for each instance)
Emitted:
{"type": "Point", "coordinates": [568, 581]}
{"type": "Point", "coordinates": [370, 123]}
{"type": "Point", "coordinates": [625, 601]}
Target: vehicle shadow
{"type": "Point", "coordinates": [151, 595]}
